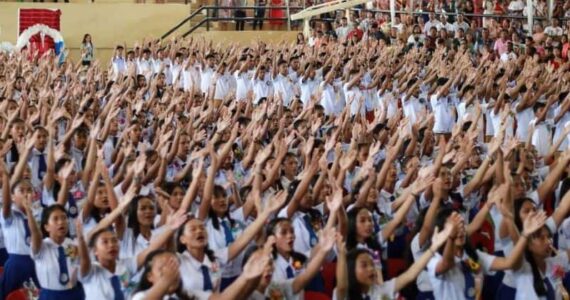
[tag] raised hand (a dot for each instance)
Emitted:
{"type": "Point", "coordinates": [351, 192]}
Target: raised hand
{"type": "Point", "coordinates": [176, 220]}
{"type": "Point", "coordinates": [65, 172]}
{"type": "Point", "coordinates": [534, 222]}
{"type": "Point", "coordinates": [439, 238]}
{"type": "Point", "coordinates": [276, 202]}
{"type": "Point", "coordinates": [327, 239]}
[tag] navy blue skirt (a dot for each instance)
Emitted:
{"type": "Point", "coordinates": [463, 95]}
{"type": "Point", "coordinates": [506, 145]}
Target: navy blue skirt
{"type": "Point", "coordinates": [425, 296]}
{"type": "Point", "coordinates": [75, 293]}
{"type": "Point", "coordinates": [17, 270]}
{"type": "Point", "coordinates": [506, 292]}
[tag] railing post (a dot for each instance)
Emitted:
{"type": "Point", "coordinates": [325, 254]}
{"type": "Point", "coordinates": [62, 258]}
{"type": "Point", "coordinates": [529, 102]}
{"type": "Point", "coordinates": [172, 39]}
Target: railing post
{"type": "Point", "coordinates": [550, 10]}
{"type": "Point", "coordinates": [288, 16]}
{"type": "Point", "coordinates": [207, 19]}
{"type": "Point", "coordinates": [529, 16]}
{"type": "Point", "coordinates": [392, 12]}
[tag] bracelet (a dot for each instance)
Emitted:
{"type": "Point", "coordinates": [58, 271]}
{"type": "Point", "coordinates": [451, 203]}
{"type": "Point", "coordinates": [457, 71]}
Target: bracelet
{"type": "Point", "coordinates": [430, 250]}
{"type": "Point", "coordinates": [524, 236]}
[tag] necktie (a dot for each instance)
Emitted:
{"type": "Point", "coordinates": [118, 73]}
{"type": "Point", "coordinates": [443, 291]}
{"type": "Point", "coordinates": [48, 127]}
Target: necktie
{"type": "Point", "coordinates": [312, 233]}
{"type": "Point", "coordinates": [72, 210]}
{"type": "Point", "coordinates": [290, 273]}
{"type": "Point", "coordinates": [115, 140]}
{"type": "Point", "coordinates": [550, 293]}
{"type": "Point", "coordinates": [469, 281]}
{"type": "Point", "coordinates": [207, 280]}
{"type": "Point", "coordinates": [61, 260]}
{"type": "Point", "coordinates": [116, 284]}
{"type": "Point", "coordinates": [26, 231]}
{"type": "Point", "coordinates": [42, 166]}
{"type": "Point", "coordinates": [227, 232]}
{"type": "Point", "coordinates": [15, 156]}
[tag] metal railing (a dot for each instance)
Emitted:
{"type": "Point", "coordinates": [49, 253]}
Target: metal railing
{"type": "Point", "coordinates": [211, 16]}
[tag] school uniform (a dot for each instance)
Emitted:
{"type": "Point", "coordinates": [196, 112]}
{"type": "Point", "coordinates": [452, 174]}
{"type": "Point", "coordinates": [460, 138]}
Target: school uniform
{"type": "Point", "coordinates": [223, 87]}
{"type": "Point", "coordinates": [425, 290]}
{"type": "Point", "coordinates": [357, 94]}
{"type": "Point", "coordinates": [308, 89]}
{"type": "Point", "coordinates": [206, 74]}
{"type": "Point", "coordinates": [191, 78]}
{"type": "Point", "coordinates": [386, 290]}
{"type": "Point", "coordinates": [261, 89]}
{"type": "Point", "coordinates": [330, 100]}
{"type": "Point", "coordinates": [203, 275]}
{"type": "Point", "coordinates": [277, 289]}
{"type": "Point", "coordinates": [442, 113]}
{"type": "Point", "coordinates": [560, 129]}
{"type": "Point", "coordinates": [19, 267]}
{"type": "Point", "coordinates": [75, 198]}
{"type": "Point", "coordinates": [284, 87]}
{"type": "Point", "coordinates": [305, 235]}
{"type": "Point", "coordinates": [541, 138]}
{"type": "Point", "coordinates": [244, 85]}
{"type": "Point", "coordinates": [131, 247]}
{"type": "Point", "coordinates": [524, 278]}
{"type": "Point", "coordinates": [119, 67]}
{"type": "Point", "coordinates": [223, 237]}
{"type": "Point", "coordinates": [285, 269]}
{"type": "Point", "coordinates": [56, 268]}
{"type": "Point", "coordinates": [458, 282]}
{"type": "Point", "coordinates": [523, 121]}
{"type": "Point", "coordinates": [37, 162]}
{"type": "Point", "coordinates": [100, 283]}
{"type": "Point", "coordinates": [196, 295]}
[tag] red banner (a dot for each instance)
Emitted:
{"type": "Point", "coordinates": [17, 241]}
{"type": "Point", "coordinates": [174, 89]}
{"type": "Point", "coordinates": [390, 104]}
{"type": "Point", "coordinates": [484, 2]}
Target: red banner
{"type": "Point", "coordinates": [29, 17]}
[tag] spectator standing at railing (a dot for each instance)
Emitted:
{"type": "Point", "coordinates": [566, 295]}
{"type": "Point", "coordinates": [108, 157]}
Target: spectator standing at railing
{"type": "Point", "coordinates": [554, 30]}
{"type": "Point", "coordinates": [343, 30]}
{"type": "Point", "coordinates": [433, 22]}
{"type": "Point", "coordinates": [240, 14]}
{"type": "Point", "coordinates": [86, 50]}
{"type": "Point", "coordinates": [259, 14]}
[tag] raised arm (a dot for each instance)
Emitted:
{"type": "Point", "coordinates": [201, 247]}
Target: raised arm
{"type": "Point", "coordinates": [438, 239]}
{"type": "Point", "coordinates": [326, 242]}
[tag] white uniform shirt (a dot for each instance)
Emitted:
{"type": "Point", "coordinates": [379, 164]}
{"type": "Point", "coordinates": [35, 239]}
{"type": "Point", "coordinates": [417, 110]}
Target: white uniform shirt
{"type": "Point", "coordinates": [442, 113]}
{"type": "Point", "coordinates": [524, 278]}
{"type": "Point", "coordinates": [261, 89]}
{"type": "Point", "coordinates": [15, 233]}
{"type": "Point", "coordinates": [385, 291]}
{"type": "Point", "coordinates": [97, 283]}
{"type": "Point", "coordinates": [47, 264]}
{"type": "Point", "coordinates": [451, 284]}
{"type": "Point", "coordinates": [191, 272]}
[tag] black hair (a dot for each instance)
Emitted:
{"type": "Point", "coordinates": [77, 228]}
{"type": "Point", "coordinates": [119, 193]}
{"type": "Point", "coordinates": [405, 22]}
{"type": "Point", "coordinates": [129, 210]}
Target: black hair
{"type": "Point", "coordinates": [132, 219]}
{"type": "Point", "coordinates": [218, 192]}
{"type": "Point", "coordinates": [517, 209]}
{"type": "Point", "coordinates": [181, 247]}
{"type": "Point", "coordinates": [441, 219]}
{"type": "Point", "coordinates": [537, 281]}
{"type": "Point", "coordinates": [354, 290]}
{"type": "Point", "coordinates": [46, 213]}
{"type": "Point", "coordinates": [351, 242]}
{"type": "Point", "coordinates": [270, 230]}
{"type": "Point", "coordinates": [144, 284]}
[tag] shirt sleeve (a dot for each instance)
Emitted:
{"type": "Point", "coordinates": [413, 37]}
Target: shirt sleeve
{"type": "Point", "coordinates": [486, 260]}
{"type": "Point", "coordinates": [432, 264]}
{"type": "Point", "coordinates": [222, 255]}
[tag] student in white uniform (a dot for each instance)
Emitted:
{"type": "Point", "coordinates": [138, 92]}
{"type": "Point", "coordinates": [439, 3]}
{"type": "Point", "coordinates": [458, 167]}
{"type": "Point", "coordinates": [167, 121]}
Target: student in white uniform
{"type": "Point", "coordinates": [292, 288]}
{"type": "Point", "coordinates": [453, 271]}
{"type": "Point", "coordinates": [357, 277]}
{"type": "Point", "coordinates": [62, 187]}
{"type": "Point", "coordinates": [19, 267]}
{"type": "Point", "coordinates": [140, 230]}
{"type": "Point", "coordinates": [109, 277]}
{"type": "Point", "coordinates": [161, 279]}
{"type": "Point", "coordinates": [262, 88]}
{"type": "Point", "coordinates": [202, 268]}
{"type": "Point", "coordinates": [55, 256]}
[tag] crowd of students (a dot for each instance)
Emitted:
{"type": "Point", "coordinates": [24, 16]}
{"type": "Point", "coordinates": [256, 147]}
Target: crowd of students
{"type": "Point", "coordinates": [188, 170]}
